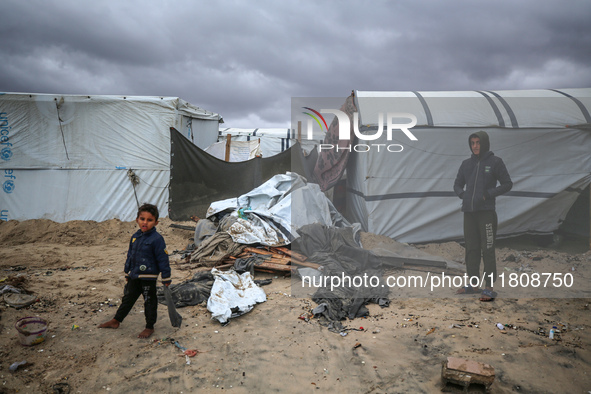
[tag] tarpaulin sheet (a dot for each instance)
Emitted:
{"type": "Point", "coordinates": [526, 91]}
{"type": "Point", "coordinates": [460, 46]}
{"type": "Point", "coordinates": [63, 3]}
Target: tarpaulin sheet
{"type": "Point", "coordinates": [198, 179]}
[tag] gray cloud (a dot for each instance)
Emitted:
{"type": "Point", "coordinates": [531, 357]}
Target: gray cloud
{"type": "Point", "coordinates": [245, 60]}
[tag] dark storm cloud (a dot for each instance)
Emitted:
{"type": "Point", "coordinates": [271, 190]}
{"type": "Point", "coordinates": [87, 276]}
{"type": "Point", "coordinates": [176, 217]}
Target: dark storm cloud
{"type": "Point", "coordinates": [246, 60]}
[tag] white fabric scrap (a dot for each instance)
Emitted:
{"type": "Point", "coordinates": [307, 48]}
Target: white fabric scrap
{"type": "Point", "coordinates": [231, 290]}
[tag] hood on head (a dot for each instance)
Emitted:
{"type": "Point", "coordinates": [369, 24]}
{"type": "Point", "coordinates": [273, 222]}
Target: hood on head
{"type": "Point", "coordinates": [484, 141]}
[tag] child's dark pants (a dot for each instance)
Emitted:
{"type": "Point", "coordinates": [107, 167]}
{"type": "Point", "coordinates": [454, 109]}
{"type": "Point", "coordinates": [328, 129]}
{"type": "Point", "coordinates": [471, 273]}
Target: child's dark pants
{"type": "Point", "coordinates": [133, 289]}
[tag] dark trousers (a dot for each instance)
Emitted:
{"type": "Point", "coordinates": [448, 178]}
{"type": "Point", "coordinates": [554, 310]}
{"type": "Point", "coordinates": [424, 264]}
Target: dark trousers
{"type": "Point", "coordinates": [132, 291]}
{"type": "Point", "coordinates": [480, 232]}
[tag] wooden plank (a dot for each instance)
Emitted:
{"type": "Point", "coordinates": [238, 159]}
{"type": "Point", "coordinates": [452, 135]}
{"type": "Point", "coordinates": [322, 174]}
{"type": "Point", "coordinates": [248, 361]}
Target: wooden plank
{"type": "Point", "coordinates": [274, 267]}
{"type": "Point", "coordinates": [257, 250]}
{"type": "Point", "coordinates": [298, 256]}
{"type": "Point", "coordinates": [228, 145]}
{"type": "Point", "coordinates": [305, 264]}
{"type": "Point", "coordinates": [283, 260]}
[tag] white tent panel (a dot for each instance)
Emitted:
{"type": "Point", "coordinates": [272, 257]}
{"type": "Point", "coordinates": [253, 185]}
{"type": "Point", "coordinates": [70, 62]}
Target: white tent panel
{"type": "Point", "coordinates": [201, 132]}
{"type": "Point", "coordinates": [239, 150]}
{"type": "Point", "coordinates": [519, 108]}
{"type": "Point", "coordinates": [65, 157]}
{"type": "Point", "coordinates": [409, 195]}
{"type": "Point", "coordinates": [64, 195]}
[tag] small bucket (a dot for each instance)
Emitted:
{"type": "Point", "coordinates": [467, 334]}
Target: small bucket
{"type": "Point", "coordinates": [31, 330]}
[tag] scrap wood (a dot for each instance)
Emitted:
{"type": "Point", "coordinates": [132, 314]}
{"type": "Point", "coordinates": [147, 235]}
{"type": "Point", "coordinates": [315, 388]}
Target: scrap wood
{"type": "Point", "coordinates": [277, 252]}
{"type": "Point", "coordinates": [267, 271]}
{"type": "Point", "coordinates": [257, 250]}
{"type": "Point", "coordinates": [264, 252]}
{"type": "Point", "coordinates": [181, 226]}
{"type": "Point", "coordinates": [306, 264]}
{"type": "Point", "coordinates": [274, 267]}
{"type": "Point", "coordinates": [282, 260]}
{"type": "Point", "coordinates": [294, 255]}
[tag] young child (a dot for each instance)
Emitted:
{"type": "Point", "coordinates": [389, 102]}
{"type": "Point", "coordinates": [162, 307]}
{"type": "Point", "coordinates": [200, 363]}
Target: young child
{"type": "Point", "coordinates": [146, 258]}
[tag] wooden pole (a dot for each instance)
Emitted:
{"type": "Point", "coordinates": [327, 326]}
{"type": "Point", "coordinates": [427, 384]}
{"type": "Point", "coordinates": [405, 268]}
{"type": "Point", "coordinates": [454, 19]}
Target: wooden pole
{"type": "Point", "coordinates": [300, 131]}
{"type": "Point", "coordinates": [228, 144]}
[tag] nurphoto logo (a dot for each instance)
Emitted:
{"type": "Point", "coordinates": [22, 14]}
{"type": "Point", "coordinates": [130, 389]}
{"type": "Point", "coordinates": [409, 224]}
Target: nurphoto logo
{"type": "Point", "coordinates": [345, 127]}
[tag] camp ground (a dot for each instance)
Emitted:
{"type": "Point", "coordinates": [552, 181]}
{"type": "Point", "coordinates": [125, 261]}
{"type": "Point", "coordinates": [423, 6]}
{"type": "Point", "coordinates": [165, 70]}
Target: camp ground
{"type": "Point", "coordinates": [252, 243]}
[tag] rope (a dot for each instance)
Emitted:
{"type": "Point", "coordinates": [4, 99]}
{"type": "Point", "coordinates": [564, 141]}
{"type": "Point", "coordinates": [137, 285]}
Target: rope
{"type": "Point", "coordinates": [135, 180]}
{"type": "Point", "coordinates": [61, 129]}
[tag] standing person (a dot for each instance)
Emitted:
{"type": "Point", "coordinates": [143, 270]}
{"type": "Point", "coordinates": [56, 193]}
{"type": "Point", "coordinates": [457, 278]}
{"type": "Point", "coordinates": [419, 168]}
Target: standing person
{"type": "Point", "coordinates": [146, 259]}
{"type": "Point", "coordinates": [480, 175]}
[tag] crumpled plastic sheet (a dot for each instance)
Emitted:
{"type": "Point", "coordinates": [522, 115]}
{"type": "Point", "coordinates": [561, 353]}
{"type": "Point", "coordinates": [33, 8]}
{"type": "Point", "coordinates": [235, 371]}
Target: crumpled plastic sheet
{"type": "Point", "coordinates": [272, 213]}
{"type": "Point", "coordinates": [233, 295]}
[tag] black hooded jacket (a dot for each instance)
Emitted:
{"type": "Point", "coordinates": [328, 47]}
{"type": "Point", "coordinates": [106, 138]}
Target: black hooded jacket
{"type": "Point", "coordinates": [480, 174]}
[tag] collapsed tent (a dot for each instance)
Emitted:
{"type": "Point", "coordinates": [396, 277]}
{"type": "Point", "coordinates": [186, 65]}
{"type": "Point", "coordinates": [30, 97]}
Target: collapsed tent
{"type": "Point", "coordinates": [272, 213]}
{"type": "Point", "coordinates": [405, 190]}
{"type": "Point", "coordinates": [72, 157]}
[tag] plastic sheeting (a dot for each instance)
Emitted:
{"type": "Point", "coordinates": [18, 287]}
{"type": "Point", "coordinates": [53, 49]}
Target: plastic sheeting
{"type": "Point", "coordinates": [545, 142]}
{"type": "Point", "coordinates": [233, 295]}
{"type": "Point", "coordinates": [272, 213]}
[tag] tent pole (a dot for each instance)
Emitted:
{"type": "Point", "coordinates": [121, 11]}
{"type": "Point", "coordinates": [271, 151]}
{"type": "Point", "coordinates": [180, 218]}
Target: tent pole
{"type": "Point", "coordinates": [300, 131]}
{"type": "Point", "coordinates": [228, 143]}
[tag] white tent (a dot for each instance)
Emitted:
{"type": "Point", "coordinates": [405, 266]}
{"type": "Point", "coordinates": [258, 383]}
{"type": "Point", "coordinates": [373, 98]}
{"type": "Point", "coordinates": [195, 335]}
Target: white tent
{"type": "Point", "coordinates": [273, 141]}
{"type": "Point", "coordinates": [72, 157]}
{"type": "Point", "coordinates": [543, 136]}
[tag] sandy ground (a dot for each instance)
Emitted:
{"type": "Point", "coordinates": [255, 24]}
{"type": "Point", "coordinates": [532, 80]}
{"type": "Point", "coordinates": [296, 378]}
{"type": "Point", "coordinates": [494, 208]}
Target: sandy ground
{"type": "Point", "coordinates": [75, 269]}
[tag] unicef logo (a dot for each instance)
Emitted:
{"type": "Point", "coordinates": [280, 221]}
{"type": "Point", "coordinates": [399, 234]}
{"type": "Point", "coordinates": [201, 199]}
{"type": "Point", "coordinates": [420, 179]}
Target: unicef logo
{"type": "Point", "coordinates": [8, 186]}
{"type": "Point", "coordinates": [6, 154]}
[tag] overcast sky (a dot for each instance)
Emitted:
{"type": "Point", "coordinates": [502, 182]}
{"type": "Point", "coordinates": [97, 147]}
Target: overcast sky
{"type": "Point", "coordinates": [246, 59]}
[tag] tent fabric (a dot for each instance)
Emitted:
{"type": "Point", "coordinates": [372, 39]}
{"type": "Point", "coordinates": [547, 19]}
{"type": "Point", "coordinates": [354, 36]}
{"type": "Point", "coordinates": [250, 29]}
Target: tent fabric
{"type": "Point", "coordinates": [545, 142]}
{"type": "Point", "coordinates": [273, 141]}
{"type": "Point", "coordinates": [67, 156]}
{"type": "Point", "coordinates": [198, 179]}
{"type": "Point", "coordinates": [508, 108]}
{"type": "Point", "coordinates": [239, 150]}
